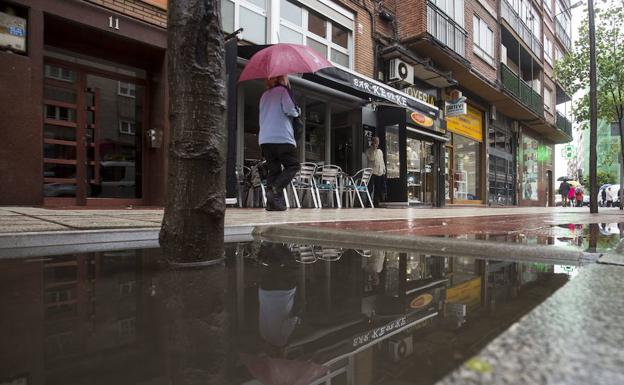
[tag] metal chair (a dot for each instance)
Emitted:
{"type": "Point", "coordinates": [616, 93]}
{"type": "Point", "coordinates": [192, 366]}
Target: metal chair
{"type": "Point", "coordinates": [330, 254]}
{"type": "Point", "coordinates": [304, 181]}
{"type": "Point", "coordinates": [329, 176]}
{"type": "Point", "coordinates": [358, 183]}
{"type": "Point", "coordinates": [304, 254]}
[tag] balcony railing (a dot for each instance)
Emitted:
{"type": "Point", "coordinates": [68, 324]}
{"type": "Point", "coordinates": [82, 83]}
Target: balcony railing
{"type": "Point", "coordinates": [562, 34]}
{"type": "Point", "coordinates": [522, 90]}
{"type": "Point", "coordinates": [444, 29]}
{"type": "Point", "coordinates": [564, 124]}
{"type": "Point", "coordinates": [525, 33]}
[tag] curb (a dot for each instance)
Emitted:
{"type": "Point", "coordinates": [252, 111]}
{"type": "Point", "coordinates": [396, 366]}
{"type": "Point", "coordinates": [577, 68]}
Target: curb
{"type": "Point", "coordinates": [439, 246]}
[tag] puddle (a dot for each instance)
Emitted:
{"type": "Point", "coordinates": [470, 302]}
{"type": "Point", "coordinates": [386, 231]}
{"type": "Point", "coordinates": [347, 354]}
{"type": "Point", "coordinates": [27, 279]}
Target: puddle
{"type": "Point", "coordinates": [302, 314]}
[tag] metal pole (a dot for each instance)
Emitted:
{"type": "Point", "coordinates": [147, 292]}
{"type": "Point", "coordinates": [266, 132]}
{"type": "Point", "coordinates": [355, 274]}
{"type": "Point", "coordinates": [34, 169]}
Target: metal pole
{"type": "Point", "coordinates": [593, 109]}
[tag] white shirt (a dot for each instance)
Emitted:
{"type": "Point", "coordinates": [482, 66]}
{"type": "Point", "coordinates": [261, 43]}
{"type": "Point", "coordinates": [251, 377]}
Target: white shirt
{"type": "Point", "coordinates": [376, 161]}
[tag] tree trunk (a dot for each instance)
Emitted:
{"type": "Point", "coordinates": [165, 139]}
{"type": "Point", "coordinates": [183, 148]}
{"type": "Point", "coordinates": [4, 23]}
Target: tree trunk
{"type": "Point", "coordinates": [621, 192]}
{"type": "Point", "coordinates": [195, 325]}
{"type": "Point", "coordinates": [593, 113]}
{"type": "Point", "coordinates": [192, 228]}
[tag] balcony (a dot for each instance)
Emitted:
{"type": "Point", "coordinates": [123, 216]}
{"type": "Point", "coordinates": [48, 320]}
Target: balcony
{"type": "Point", "coordinates": [446, 30]}
{"type": "Point", "coordinates": [516, 23]}
{"type": "Point", "coordinates": [562, 34]}
{"type": "Point", "coordinates": [564, 124]}
{"type": "Point", "coordinates": [522, 90]}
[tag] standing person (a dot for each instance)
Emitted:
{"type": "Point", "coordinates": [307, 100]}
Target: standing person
{"type": "Point", "coordinates": [609, 197]}
{"type": "Point", "coordinates": [603, 196]}
{"type": "Point", "coordinates": [579, 196]}
{"type": "Point", "coordinates": [277, 140]}
{"type": "Point", "coordinates": [571, 196]}
{"type": "Point", "coordinates": [376, 161]}
{"type": "Point", "coordinates": [564, 189]}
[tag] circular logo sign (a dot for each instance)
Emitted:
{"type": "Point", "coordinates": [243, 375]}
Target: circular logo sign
{"type": "Point", "coordinates": [421, 119]}
{"type": "Point", "coordinates": [421, 301]}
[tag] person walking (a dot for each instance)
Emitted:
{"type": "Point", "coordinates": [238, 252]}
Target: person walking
{"type": "Point", "coordinates": [571, 196]}
{"type": "Point", "coordinates": [579, 196]}
{"type": "Point", "coordinates": [376, 162]}
{"type": "Point", "coordinates": [564, 189]}
{"type": "Point", "coordinates": [277, 140]}
{"type": "Point", "coordinates": [603, 196]}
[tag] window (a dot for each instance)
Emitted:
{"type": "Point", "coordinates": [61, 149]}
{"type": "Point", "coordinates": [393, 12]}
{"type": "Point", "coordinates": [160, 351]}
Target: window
{"type": "Point", "coordinates": [126, 89]}
{"type": "Point", "coordinates": [453, 8]}
{"type": "Point", "coordinates": [127, 127]}
{"type": "Point", "coordinates": [251, 15]}
{"type": "Point", "coordinates": [482, 37]}
{"type": "Point", "coordinates": [302, 26]}
{"type": "Point", "coordinates": [547, 99]}
{"type": "Point", "coordinates": [548, 7]}
{"type": "Point", "coordinates": [548, 48]}
{"type": "Point", "coordinates": [558, 54]}
{"type": "Point", "coordinates": [59, 73]}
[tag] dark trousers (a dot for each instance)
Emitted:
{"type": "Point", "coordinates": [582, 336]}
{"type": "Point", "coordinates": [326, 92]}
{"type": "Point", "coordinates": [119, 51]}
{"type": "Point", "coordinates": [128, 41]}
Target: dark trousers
{"type": "Point", "coordinates": [276, 156]}
{"type": "Point", "coordinates": [378, 188]}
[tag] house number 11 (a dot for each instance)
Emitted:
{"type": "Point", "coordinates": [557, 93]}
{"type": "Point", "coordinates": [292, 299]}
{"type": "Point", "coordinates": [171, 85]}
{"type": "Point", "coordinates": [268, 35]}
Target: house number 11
{"type": "Point", "coordinates": [113, 22]}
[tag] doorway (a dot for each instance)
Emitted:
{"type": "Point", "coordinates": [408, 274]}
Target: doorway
{"type": "Point", "coordinates": [420, 168]}
{"type": "Point", "coordinates": [92, 135]}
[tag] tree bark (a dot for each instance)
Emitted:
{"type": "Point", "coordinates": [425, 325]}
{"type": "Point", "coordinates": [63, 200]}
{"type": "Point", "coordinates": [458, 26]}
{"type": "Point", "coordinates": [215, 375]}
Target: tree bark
{"type": "Point", "coordinates": [593, 113]}
{"type": "Point", "coordinates": [192, 228]}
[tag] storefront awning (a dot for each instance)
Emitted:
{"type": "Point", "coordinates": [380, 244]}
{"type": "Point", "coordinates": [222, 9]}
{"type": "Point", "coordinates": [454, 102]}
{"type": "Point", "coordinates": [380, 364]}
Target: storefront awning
{"type": "Point", "coordinates": [365, 87]}
{"type": "Point", "coordinates": [351, 82]}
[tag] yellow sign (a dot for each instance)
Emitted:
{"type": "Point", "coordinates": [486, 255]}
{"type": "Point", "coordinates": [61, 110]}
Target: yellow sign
{"type": "Point", "coordinates": [468, 293]}
{"type": "Point", "coordinates": [469, 125]}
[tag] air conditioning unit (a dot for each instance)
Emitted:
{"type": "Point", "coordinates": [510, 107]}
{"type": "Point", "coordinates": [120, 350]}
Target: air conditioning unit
{"type": "Point", "coordinates": [401, 71]}
{"type": "Point", "coordinates": [400, 347]}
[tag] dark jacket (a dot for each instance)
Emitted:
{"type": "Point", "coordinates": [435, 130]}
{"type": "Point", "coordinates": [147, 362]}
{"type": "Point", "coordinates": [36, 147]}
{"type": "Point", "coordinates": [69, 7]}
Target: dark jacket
{"type": "Point", "coordinates": [564, 188]}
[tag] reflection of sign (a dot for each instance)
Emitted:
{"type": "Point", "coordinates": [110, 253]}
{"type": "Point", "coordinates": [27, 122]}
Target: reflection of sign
{"type": "Point", "coordinates": [469, 125]}
{"type": "Point", "coordinates": [12, 32]}
{"type": "Point", "coordinates": [421, 301]}
{"type": "Point", "coordinates": [468, 293]}
{"type": "Point", "coordinates": [379, 332]}
{"type": "Point", "coordinates": [457, 105]}
{"type": "Point", "coordinates": [420, 119]}
{"type": "Point", "coordinates": [420, 95]}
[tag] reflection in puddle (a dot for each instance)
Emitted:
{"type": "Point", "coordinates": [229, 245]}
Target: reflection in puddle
{"type": "Point", "coordinates": [298, 314]}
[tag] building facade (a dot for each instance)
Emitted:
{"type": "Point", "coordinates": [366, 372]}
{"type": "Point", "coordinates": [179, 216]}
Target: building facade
{"type": "Point", "coordinates": [87, 96]}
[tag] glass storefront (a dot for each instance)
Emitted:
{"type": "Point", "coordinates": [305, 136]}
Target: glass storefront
{"type": "Point", "coordinates": [463, 159]}
{"type": "Point", "coordinates": [466, 168]}
{"type": "Point", "coordinates": [501, 176]}
{"type": "Point", "coordinates": [420, 165]}
{"type": "Point", "coordinates": [530, 169]}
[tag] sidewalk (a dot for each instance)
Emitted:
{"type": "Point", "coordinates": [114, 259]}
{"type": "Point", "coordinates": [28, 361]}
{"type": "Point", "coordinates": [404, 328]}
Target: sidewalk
{"type": "Point", "coordinates": [16, 220]}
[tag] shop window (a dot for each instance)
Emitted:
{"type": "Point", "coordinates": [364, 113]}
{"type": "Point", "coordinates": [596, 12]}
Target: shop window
{"type": "Point", "coordinates": [482, 37]}
{"type": "Point", "coordinates": [530, 169]}
{"type": "Point", "coordinates": [60, 113]}
{"type": "Point", "coordinates": [467, 165]}
{"type": "Point", "coordinates": [251, 15]}
{"type": "Point", "coordinates": [329, 38]}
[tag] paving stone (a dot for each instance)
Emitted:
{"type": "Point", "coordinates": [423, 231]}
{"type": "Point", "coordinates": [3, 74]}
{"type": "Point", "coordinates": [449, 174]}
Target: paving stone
{"type": "Point", "coordinates": [21, 224]}
{"type": "Point", "coordinates": [574, 337]}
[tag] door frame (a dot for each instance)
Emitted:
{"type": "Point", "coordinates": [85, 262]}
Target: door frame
{"type": "Point", "coordinates": [80, 86]}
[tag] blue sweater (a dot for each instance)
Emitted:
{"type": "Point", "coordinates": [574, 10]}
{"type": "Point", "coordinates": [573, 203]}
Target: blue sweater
{"type": "Point", "coordinates": [276, 112]}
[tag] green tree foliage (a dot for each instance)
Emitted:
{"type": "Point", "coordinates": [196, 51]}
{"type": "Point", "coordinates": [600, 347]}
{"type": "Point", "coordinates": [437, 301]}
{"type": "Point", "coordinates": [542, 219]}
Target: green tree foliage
{"type": "Point", "coordinates": [573, 70]}
{"type": "Point", "coordinates": [603, 178]}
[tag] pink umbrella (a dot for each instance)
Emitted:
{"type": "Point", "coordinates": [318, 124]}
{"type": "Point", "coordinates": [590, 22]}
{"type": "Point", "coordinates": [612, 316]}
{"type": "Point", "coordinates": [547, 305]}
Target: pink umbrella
{"type": "Point", "coordinates": [276, 371]}
{"type": "Point", "coordinates": [283, 59]}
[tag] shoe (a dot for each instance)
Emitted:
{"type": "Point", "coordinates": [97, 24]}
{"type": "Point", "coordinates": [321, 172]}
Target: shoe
{"type": "Point", "coordinates": [275, 201]}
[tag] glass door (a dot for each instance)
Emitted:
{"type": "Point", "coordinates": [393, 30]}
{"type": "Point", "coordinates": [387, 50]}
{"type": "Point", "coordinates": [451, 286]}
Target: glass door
{"type": "Point", "coordinates": [92, 135]}
{"type": "Point", "coordinates": [448, 173]}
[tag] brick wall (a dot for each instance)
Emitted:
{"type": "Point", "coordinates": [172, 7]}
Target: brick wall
{"type": "Point", "coordinates": [151, 12]}
{"type": "Point", "coordinates": [363, 34]}
{"type": "Point", "coordinates": [474, 7]}
{"type": "Point", "coordinates": [411, 18]}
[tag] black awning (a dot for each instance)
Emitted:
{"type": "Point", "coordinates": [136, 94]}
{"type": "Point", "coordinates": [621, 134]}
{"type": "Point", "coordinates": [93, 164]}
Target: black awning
{"type": "Point", "coordinates": [368, 88]}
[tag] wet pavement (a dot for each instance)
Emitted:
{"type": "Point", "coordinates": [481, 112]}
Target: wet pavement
{"type": "Point", "coordinates": [302, 314]}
